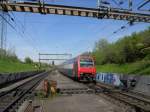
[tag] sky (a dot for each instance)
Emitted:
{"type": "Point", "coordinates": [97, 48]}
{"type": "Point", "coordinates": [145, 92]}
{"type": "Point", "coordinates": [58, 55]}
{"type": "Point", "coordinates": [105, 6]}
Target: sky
{"type": "Point", "coordinates": [37, 33]}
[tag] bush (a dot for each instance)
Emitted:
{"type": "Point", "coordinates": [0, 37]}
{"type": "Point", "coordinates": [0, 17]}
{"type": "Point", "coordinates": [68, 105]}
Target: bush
{"type": "Point", "coordinates": [8, 55]}
{"type": "Point", "coordinates": [28, 60]}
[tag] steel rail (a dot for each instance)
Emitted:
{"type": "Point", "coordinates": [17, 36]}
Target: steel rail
{"type": "Point", "coordinates": [140, 104]}
{"type": "Point", "coordinates": [10, 98]}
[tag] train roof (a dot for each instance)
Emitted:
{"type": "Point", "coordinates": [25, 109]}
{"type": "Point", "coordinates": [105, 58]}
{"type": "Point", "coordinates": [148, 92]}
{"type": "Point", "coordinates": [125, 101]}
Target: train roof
{"type": "Point", "coordinates": [86, 56]}
{"type": "Point", "coordinates": [73, 59]}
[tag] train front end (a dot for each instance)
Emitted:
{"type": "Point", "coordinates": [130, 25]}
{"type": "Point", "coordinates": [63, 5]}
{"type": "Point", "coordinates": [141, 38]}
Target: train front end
{"type": "Point", "coordinates": [86, 69]}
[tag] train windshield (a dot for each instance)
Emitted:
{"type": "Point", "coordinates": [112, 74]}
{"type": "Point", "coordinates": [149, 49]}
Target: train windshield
{"type": "Point", "coordinates": [86, 63]}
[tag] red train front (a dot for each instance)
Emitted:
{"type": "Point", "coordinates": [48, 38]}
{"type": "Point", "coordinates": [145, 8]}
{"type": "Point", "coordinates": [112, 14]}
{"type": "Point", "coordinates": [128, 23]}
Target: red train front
{"type": "Point", "coordinates": [85, 68]}
{"type": "Point", "coordinates": [81, 68]}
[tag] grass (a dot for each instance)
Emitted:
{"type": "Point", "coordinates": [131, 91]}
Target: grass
{"type": "Point", "coordinates": [141, 68]}
{"type": "Point", "coordinates": [10, 66]}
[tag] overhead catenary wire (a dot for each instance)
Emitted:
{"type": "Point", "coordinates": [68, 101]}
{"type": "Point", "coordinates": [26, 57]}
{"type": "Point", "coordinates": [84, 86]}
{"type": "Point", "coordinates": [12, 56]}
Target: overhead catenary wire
{"type": "Point", "coordinates": [27, 36]}
{"type": "Point", "coordinates": [116, 3]}
{"type": "Point", "coordinates": [17, 32]}
{"type": "Point", "coordinates": [143, 4]}
{"type": "Point", "coordinates": [122, 28]}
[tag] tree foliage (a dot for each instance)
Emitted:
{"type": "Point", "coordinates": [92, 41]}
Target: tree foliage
{"type": "Point", "coordinates": [8, 55]}
{"type": "Point", "coordinates": [28, 60]}
{"type": "Point", "coordinates": [125, 50]}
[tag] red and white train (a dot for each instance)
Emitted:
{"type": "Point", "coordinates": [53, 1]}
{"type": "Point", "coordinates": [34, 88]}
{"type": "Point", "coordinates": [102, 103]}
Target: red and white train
{"type": "Point", "coordinates": [81, 68]}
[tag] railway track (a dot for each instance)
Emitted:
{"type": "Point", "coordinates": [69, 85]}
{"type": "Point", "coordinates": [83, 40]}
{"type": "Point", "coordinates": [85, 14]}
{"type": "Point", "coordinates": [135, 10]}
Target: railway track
{"type": "Point", "coordinates": [136, 101]}
{"type": "Point", "coordinates": [139, 94]}
{"type": "Point", "coordinates": [130, 100]}
{"type": "Point", "coordinates": [139, 103]}
{"type": "Point", "coordinates": [10, 100]}
{"type": "Point", "coordinates": [71, 91]}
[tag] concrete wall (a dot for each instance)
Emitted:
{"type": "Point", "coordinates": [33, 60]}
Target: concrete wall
{"type": "Point", "coordinates": [142, 82]}
{"type": "Point", "coordinates": [9, 77]}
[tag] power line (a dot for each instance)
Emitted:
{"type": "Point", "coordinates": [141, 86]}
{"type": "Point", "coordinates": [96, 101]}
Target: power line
{"type": "Point", "coordinates": [15, 30]}
{"type": "Point", "coordinates": [28, 36]}
{"type": "Point", "coordinates": [16, 21]}
{"type": "Point", "coordinates": [116, 3]}
{"type": "Point", "coordinates": [123, 27]}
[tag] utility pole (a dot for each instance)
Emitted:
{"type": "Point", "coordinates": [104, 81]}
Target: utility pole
{"type": "Point", "coordinates": [98, 3]}
{"type": "Point", "coordinates": [39, 61]}
{"type": "Point", "coordinates": [130, 4]}
{"type": "Point", "coordinates": [3, 30]}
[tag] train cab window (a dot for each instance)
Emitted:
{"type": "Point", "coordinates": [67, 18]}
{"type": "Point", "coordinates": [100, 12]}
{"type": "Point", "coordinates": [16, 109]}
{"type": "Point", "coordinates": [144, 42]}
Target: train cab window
{"type": "Point", "coordinates": [86, 63]}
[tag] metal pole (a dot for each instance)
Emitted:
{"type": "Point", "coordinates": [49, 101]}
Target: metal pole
{"type": "Point", "coordinates": [2, 31]}
{"type": "Point", "coordinates": [130, 4]}
{"type": "Point", "coordinates": [39, 62]}
{"type": "Point", "coordinates": [5, 41]}
{"type": "Point", "coordinates": [98, 3]}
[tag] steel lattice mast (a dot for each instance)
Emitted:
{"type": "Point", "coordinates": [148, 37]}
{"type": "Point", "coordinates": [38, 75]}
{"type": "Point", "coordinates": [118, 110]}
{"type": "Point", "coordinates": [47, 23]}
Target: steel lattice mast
{"type": "Point", "coordinates": [3, 29]}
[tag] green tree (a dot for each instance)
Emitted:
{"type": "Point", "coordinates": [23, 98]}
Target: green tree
{"type": "Point", "coordinates": [126, 50]}
{"type": "Point", "coordinates": [100, 47]}
{"type": "Point", "coordinates": [28, 60]}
